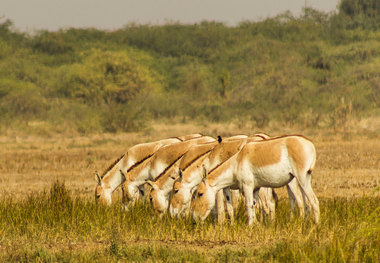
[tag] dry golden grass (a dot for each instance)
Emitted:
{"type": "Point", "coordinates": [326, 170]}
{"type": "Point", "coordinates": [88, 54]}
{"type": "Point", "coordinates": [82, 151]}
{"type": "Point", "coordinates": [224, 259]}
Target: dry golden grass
{"type": "Point", "coordinates": [37, 226]}
{"type": "Point", "coordinates": [348, 164]}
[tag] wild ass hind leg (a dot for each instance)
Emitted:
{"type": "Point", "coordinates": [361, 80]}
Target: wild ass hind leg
{"type": "Point", "coordinates": [307, 191]}
{"type": "Point", "coordinates": [229, 206]}
{"type": "Point", "coordinates": [272, 203]}
{"type": "Point", "coordinates": [296, 198]}
{"type": "Point", "coordinates": [266, 201]}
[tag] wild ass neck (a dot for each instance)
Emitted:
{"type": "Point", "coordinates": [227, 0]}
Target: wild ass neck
{"type": "Point", "coordinates": [193, 173]}
{"type": "Point", "coordinates": [113, 178]}
{"type": "Point", "coordinates": [223, 176]}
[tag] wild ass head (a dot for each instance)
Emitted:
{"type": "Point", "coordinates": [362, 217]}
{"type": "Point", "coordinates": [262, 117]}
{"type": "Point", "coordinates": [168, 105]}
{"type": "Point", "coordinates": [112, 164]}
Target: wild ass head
{"type": "Point", "coordinates": [130, 192]}
{"type": "Point", "coordinates": [103, 193]}
{"type": "Point", "coordinates": [203, 200]}
{"type": "Point", "coordinates": [180, 199]}
{"type": "Point", "coordinates": [161, 188]}
{"type": "Point", "coordinates": [157, 198]}
{"type": "Point", "coordinates": [182, 191]}
{"type": "Point", "coordinates": [104, 187]}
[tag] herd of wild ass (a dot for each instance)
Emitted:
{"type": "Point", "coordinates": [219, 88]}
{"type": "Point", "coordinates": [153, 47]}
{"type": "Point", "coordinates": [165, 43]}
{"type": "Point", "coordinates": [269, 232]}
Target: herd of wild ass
{"type": "Point", "coordinates": [197, 174]}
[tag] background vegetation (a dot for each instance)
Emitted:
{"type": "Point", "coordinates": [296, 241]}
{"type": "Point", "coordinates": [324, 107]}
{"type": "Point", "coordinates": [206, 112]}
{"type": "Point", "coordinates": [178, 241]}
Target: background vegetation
{"type": "Point", "coordinates": [314, 70]}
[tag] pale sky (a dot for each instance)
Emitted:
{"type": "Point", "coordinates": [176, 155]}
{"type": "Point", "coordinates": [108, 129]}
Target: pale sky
{"type": "Point", "coordinates": [31, 15]}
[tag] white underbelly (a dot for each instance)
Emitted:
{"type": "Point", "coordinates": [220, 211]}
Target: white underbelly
{"type": "Point", "coordinates": [274, 175]}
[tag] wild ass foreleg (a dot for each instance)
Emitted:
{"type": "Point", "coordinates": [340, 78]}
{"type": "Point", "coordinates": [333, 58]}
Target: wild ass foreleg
{"type": "Point", "coordinates": [230, 208]}
{"type": "Point", "coordinates": [125, 205]}
{"type": "Point", "coordinates": [259, 204]}
{"type": "Point", "coordinates": [220, 207]}
{"type": "Point", "coordinates": [142, 193]}
{"type": "Point", "coordinates": [235, 194]}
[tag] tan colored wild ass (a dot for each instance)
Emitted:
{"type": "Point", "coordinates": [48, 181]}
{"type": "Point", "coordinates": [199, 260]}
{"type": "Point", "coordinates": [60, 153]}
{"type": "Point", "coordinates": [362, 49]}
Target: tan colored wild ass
{"type": "Point", "coordinates": [269, 163]}
{"type": "Point", "coordinates": [190, 178]}
{"type": "Point", "coordinates": [111, 178]}
{"type": "Point", "coordinates": [162, 186]}
{"type": "Point", "coordinates": [151, 168]}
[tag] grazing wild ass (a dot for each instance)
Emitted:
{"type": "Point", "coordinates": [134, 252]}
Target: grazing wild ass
{"type": "Point", "coordinates": [190, 178]}
{"type": "Point", "coordinates": [111, 178]}
{"type": "Point", "coordinates": [151, 168]}
{"type": "Point", "coordinates": [270, 163]}
{"type": "Point", "coordinates": [162, 186]}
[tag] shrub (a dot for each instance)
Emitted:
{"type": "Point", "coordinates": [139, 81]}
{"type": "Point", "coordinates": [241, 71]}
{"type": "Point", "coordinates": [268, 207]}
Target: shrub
{"type": "Point", "coordinates": [51, 43]}
{"type": "Point", "coordinates": [23, 101]}
{"type": "Point", "coordinates": [107, 77]}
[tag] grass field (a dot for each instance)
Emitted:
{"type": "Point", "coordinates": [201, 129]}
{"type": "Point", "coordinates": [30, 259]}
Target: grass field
{"type": "Point", "coordinates": [47, 211]}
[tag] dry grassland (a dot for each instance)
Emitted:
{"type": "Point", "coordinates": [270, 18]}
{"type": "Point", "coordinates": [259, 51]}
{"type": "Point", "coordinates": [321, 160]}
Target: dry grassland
{"type": "Point", "coordinates": [348, 165]}
{"type": "Point", "coordinates": [346, 180]}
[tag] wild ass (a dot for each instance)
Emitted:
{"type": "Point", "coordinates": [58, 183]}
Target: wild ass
{"type": "Point", "coordinates": [162, 186]}
{"type": "Point", "coordinates": [269, 163]}
{"type": "Point", "coordinates": [111, 178]}
{"type": "Point", "coordinates": [186, 184]}
{"type": "Point", "coordinates": [151, 168]}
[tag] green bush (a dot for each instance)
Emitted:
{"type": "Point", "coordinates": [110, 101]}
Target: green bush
{"type": "Point", "coordinates": [22, 100]}
{"type": "Point", "coordinates": [127, 118]}
{"type": "Point", "coordinates": [51, 43]}
{"type": "Point", "coordinates": [106, 77]}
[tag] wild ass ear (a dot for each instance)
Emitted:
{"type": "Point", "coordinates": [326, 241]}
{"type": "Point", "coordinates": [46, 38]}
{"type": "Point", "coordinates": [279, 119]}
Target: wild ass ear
{"type": "Point", "coordinates": [193, 190]}
{"type": "Point", "coordinates": [180, 174]}
{"type": "Point", "coordinates": [204, 173]}
{"type": "Point", "coordinates": [151, 183]}
{"type": "Point", "coordinates": [97, 178]}
{"type": "Point", "coordinates": [123, 175]}
{"type": "Point", "coordinates": [219, 139]}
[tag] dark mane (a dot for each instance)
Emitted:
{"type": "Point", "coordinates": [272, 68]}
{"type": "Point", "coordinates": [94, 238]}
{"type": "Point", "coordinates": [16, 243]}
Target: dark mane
{"type": "Point", "coordinates": [197, 158]}
{"type": "Point", "coordinates": [285, 136]}
{"type": "Point", "coordinates": [111, 166]}
{"type": "Point", "coordinates": [262, 135]}
{"type": "Point", "coordinates": [176, 138]}
{"type": "Point", "coordinates": [139, 162]}
{"type": "Point", "coordinates": [213, 169]}
{"type": "Point", "coordinates": [167, 168]}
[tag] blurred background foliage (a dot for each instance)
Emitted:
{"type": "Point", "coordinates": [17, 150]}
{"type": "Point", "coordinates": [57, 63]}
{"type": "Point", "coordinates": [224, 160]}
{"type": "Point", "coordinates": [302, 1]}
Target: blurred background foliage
{"type": "Point", "coordinates": [315, 70]}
